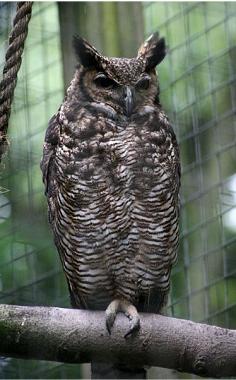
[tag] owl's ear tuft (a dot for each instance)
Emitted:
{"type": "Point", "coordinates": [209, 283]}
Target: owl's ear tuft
{"type": "Point", "coordinates": [152, 51]}
{"type": "Point", "coordinates": [86, 53]}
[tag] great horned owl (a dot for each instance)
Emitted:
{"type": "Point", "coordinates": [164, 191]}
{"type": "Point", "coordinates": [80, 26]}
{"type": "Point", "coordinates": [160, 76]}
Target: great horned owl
{"type": "Point", "coordinates": [112, 175]}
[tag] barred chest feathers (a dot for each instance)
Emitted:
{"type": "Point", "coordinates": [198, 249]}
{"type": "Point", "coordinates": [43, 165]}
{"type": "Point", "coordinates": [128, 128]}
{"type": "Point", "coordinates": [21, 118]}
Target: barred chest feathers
{"type": "Point", "coordinates": [118, 193]}
{"type": "Point", "coordinates": [112, 175]}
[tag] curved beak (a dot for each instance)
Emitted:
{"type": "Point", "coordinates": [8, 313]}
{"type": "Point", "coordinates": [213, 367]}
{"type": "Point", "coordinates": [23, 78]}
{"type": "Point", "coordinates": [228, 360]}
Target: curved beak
{"type": "Point", "coordinates": [128, 101]}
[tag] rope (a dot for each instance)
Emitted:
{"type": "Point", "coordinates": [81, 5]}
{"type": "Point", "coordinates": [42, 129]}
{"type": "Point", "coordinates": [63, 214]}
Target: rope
{"type": "Point", "coordinates": [12, 66]}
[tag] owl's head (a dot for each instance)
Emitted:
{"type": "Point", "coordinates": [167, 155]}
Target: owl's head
{"type": "Point", "coordinates": [125, 84]}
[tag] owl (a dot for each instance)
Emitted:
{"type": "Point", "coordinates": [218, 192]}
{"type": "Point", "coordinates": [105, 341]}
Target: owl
{"type": "Point", "coordinates": [111, 171]}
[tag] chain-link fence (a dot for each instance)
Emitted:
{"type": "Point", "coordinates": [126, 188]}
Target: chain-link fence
{"type": "Point", "coordinates": [198, 92]}
{"type": "Point", "coordinates": [30, 270]}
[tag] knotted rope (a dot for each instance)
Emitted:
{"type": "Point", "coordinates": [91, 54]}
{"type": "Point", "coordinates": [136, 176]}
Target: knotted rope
{"type": "Point", "coordinates": [12, 65]}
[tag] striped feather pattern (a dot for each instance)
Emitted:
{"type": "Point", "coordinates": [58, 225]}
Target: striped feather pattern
{"type": "Point", "coordinates": [112, 187]}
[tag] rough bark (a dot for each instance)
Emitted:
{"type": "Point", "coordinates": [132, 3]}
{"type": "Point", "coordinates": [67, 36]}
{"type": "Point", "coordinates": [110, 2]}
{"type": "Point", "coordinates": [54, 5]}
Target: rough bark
{"type": "Point", "coordinates": [78, 336]}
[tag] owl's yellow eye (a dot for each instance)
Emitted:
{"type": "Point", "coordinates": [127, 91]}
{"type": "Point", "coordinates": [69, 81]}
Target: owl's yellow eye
{"type": "Point", "coordinates": [101, 80]}
{"type": "Point", "coordinates": [143, 83]}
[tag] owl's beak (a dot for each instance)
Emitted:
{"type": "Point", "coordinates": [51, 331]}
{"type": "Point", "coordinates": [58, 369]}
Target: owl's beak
{"type": "Point", "coordinates": [128, 100]}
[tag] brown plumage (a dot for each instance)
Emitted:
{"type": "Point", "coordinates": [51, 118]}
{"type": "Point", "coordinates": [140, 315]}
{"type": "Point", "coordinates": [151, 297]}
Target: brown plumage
{"type": "Point", "coordinates": [111, 171]}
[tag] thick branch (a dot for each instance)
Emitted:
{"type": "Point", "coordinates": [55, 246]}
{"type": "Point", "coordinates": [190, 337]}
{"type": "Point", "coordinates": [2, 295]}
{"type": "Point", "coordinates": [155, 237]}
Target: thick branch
{"type": "Point", "coordinates": [78, 336]}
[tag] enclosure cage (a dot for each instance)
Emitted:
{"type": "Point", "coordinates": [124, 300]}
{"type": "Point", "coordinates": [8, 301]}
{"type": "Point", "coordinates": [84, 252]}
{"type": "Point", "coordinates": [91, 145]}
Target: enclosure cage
{"type": "Point", "coordinates": [198, 92]}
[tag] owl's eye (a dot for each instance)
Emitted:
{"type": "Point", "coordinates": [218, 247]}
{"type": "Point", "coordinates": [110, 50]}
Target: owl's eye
{"type": "Point", "coordinates": [101, 80]}
{"type": "Point", "coordinates": [143, 83]}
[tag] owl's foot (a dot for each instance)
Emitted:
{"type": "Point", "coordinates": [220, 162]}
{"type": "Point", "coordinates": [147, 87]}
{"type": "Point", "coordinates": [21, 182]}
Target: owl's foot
{"type": "Point", "coordinates": [128, 309]}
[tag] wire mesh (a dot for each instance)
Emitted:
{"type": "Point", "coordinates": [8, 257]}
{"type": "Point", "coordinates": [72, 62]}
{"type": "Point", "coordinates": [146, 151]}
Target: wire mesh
{"type": "Point", "coordinates": [30, 271]}
{"type": "Point", "coordinates": [198, 80]}
{"type": "Point", "coordinates": [198, 92]}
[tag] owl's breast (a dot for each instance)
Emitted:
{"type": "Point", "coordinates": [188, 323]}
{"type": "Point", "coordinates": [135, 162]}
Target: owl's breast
{"type": "Point", "coordinates": [116, 154]}
{"type": "Point", "coordinates": [116, 202]}
{"type": "Point", "coordinates": [93, 151]}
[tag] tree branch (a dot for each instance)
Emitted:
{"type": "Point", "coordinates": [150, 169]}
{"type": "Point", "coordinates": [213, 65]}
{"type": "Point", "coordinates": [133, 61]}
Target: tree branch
{"type": "Point", "coordinates": [79, 336]}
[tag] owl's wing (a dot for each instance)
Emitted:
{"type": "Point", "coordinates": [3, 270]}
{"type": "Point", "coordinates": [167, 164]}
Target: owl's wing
{"type": "Point", "coordinates": [49, 174]}
{"type": "Point", "coordinates": [76, 299]}
{"type": "Point", "coordinates": [49, 149]}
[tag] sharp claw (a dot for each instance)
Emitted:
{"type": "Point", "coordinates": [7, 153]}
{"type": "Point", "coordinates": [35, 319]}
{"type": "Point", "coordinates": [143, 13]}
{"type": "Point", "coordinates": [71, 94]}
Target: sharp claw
{"type": "Point", "coordinates": [110, 319]}
{"type": "Point", "coordinates": [111, 312]}
{"type": "Point", "coordinates": [128, 309]}
{"type": "Point", "coordinates": [135, 326]}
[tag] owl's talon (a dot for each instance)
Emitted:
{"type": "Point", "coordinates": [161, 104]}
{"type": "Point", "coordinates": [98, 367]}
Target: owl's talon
{"type": "Point", "coordinates": [130, 312]}
{"type": "Point", "coordinates": [135, 326]}
{"type": "Point", "coordinates": [111, 313]}
{"type": "Point", "coordinates": [110, 319]}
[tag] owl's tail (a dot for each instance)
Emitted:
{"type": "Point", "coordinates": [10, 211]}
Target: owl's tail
{"type": "Point", "coordinates": [116, 371]}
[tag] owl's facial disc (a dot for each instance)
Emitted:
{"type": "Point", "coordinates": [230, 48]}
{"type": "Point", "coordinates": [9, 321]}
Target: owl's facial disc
{"type": "Point", "coordinates": [127, 96]}
{"type": "Point", "coordinates": [112, 89]}
{"type": "Point", "coordinates": [133, 95]}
